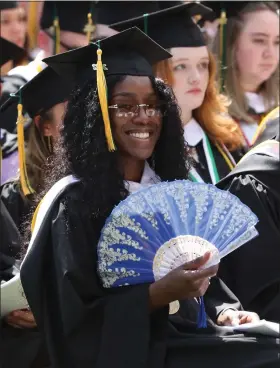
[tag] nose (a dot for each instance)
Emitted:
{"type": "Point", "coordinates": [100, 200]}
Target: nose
{"type": "Point", "coordinates": [141, 117]}
{"type": "Point", "coordinates": [270, 51]}
{"type": "Point", "coordinates": [17, 28]}
{"type": "Point", "coordinates": [194, 77]}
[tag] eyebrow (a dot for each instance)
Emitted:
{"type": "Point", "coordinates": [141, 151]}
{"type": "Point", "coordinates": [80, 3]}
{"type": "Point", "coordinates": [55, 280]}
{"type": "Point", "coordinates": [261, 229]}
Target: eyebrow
{"type": "Point", "coordinates": [131, 94]}
{"type": "Point", "coordinates": [186, 59]}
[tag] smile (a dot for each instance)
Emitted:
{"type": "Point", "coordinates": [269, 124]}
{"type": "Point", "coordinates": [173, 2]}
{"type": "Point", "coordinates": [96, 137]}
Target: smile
{"type": "Point", "coordinates": [139, 135]}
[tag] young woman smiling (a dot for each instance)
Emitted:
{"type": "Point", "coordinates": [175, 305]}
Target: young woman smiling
{"type": "Point", "coordinates": [84, 323]}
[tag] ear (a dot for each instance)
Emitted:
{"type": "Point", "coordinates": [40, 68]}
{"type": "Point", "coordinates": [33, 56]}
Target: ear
{"type": "Point", "coordinates": [46, 129]}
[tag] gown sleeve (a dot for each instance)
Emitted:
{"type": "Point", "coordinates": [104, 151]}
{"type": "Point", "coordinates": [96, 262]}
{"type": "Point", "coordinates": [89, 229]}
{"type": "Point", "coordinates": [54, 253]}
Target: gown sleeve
{"type": "Point", "coordinates": [17, 205]}
{"type": "Point", "coordinates": [10, 244]}
{"type": "Point", "coordinates": [218, 298]}
{"type": "Point", "coordinates": [252, 272]}
{"type": "Point", "coordinates": [84, 324]}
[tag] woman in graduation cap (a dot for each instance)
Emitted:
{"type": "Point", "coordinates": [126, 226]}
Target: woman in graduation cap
{"type": "Point", "coordinates": [113, 147]}
{"type": "Point", "coordinates": [43, 99]}
{"type": "Point", "coordinates": [214, 137]}
{"type": "Point", "coordinates": [250, 61]}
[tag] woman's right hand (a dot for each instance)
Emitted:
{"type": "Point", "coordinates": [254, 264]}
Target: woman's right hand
{"type": "Point", "coordinates": [185, 282]}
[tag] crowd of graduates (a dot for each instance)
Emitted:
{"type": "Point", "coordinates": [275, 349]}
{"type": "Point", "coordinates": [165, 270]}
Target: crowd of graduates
{"type": "Point", "coordinates": [192, 92]}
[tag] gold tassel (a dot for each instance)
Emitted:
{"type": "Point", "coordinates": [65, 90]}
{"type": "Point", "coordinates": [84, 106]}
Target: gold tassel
{"type": "Point", "coordinates": [25, 185]}
{"type": "Point", "coordinates": [223, 21]}
{"type": "Point", "coordinates": [57, 35]}
{"type": "Point", "coordinates": [89, 28]}
{"type": "Point", "coordinates": [102, 95]}
{"type": "Point", "coordinates": [32, 23]}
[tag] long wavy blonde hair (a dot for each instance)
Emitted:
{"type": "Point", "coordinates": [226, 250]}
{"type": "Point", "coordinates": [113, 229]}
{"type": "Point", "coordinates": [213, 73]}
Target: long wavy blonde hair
{"type": "Point", "coordinates": [269, 88]}
{"type": "Point", "coordinates": [212, 115]}
{"type": "Point", "coordinates": [38, 149]}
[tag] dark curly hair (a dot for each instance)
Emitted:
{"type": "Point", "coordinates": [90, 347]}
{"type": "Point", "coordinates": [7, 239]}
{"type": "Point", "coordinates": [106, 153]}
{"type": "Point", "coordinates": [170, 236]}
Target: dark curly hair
{"type": "Point", "coordinates": [82, 148]}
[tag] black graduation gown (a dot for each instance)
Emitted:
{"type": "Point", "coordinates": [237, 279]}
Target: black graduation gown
{"type": "Point", "coordinates": [8, 118]}
{"type": "Point", "coordinates": [18, 206]}
{"type": "Point", "coordinates": [222, 167]}
{"type": "Point", "coordinates": [10, 244]}
{"type": "Point", "coordinates": [20, 348]}
{"type": "Point", "coordinates": [271, 130]}
{"type": "Point", "coordinates": [252, 272]}
{"type": "Point", "coordinates": [90, 327]}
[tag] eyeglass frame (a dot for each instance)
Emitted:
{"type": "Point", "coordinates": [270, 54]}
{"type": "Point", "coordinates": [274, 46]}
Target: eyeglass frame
{"type": "Point", "coordinates": [136, 113]}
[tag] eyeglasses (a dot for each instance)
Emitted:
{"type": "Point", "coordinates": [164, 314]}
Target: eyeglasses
{"type": "Point", "coordinates": [130, 111]}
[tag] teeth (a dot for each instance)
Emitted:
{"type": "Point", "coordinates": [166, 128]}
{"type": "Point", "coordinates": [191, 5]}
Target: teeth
{"type": "Point", "coordinates": [140, 135]}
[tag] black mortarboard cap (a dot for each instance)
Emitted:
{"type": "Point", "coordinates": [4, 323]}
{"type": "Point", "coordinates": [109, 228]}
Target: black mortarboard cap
{"type": "Point", "coordinates": [8, 5]}
{"type": "Point", "coordinates": [9, 51]}
{"type": "Point", "coordinates": [108, 12]}
{"type": "Point", "coordinates": [72, 15]}
{"type": "Point", "coordinates": [41, 93]}
{"type": "Point", "coordinates": [232, 8]}
{"type": "Point", "coordinates": [172, 27]}
{"type": "Point", "coordinates": [130, 52]}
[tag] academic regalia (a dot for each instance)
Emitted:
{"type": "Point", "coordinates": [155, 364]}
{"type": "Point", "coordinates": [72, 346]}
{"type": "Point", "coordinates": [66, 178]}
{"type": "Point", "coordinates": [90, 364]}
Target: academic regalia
{"type": "Point", "coordinates": [8, 143]}
{"type": "Point", "coordinates": [18, 205]}
{"type": "Point", "coordinates": [10, 244]}
{"type": "Point", "coordinates": [269, 127]}
{"type": "Point", "coordinates": [19, 347]}
{"type": "Point", "coordinates": [203, 167]}
{"type": "Point", "coordinates": [37, 96]}
{"type": "Point", "coordinates": [164, 27]}
{"type": "Point", "coordinates": [9, 51]}
{"type": "Point", "coordinates": [252, 272]}
{"type": "Point", "coordinates": [257, 110]}
{"type": "Point", "coordinates": [87, 325]}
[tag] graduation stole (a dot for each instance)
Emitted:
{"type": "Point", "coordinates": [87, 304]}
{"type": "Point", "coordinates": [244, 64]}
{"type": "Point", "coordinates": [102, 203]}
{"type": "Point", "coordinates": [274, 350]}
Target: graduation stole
{"type": "Point", "coordinates": [211, 164]}
{"type": "Point", "coordinates": [258, 118]}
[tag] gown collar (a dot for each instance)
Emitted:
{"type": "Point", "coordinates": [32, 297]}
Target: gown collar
{"type": "Point", "coordinates": [193, 133]}
{"type": "Point", "coordinates": [149, 177]}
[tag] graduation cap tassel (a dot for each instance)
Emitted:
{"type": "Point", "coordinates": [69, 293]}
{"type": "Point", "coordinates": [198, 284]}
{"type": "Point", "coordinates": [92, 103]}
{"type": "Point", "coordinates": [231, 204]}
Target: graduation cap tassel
{"type": "Point", "coordinates": [223, 21]}
{"type": "Point", "coordinates": [89, 27]}
{"type": "Point", "coordinates": [25, 185]}
{"type": "Point", "coordinates": [56, 33]}
{"type": "Point", "coordinates": [102, 94]}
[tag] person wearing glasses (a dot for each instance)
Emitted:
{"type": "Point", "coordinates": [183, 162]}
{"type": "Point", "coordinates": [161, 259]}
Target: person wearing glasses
{"type": "Point", "coordinates": [104, 155]}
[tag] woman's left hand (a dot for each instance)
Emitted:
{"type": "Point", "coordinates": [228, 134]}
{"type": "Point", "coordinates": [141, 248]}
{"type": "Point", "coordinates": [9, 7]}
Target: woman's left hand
{"type": "Point", "coordinates": [232, 317]}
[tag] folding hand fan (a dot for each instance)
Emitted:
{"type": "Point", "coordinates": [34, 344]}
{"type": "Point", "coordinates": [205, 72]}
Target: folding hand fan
{"type": "Point", "coordinates": [159, 228]}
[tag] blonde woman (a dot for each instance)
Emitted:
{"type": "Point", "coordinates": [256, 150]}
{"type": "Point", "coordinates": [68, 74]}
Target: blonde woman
{"type": "Point", "coordinates": [251, 77]}
{"type": "Point", "coordinates": [43, 99]}
{"type": "Point", "coordinates": [213, 136]}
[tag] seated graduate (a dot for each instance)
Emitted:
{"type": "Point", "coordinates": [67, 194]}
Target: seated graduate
{"type": "Point", "coordinates": [85, 324]}
{"type": "Point", "coordinates": [256, 181]}
{"type": "Point", "coordinates": [214, 138]}
{"type": "Point", "coordinates": [43, 98]}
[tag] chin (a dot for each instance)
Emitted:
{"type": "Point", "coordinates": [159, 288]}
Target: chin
{"type": "Point", "coordinates": [142, 155]}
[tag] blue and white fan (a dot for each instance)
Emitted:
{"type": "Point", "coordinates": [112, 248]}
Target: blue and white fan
{"type": "Point", "coordinates": [159, 228]}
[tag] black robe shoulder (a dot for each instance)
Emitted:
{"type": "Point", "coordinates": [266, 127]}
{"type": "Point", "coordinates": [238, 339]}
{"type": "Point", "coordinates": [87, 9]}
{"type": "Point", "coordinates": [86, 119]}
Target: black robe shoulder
{"type": "Point", "coordinates": [17, 205]}
{"type": "Point", "coordinates": [89, 326]}
{"type": "Point", "coordinates": [252, 272]}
